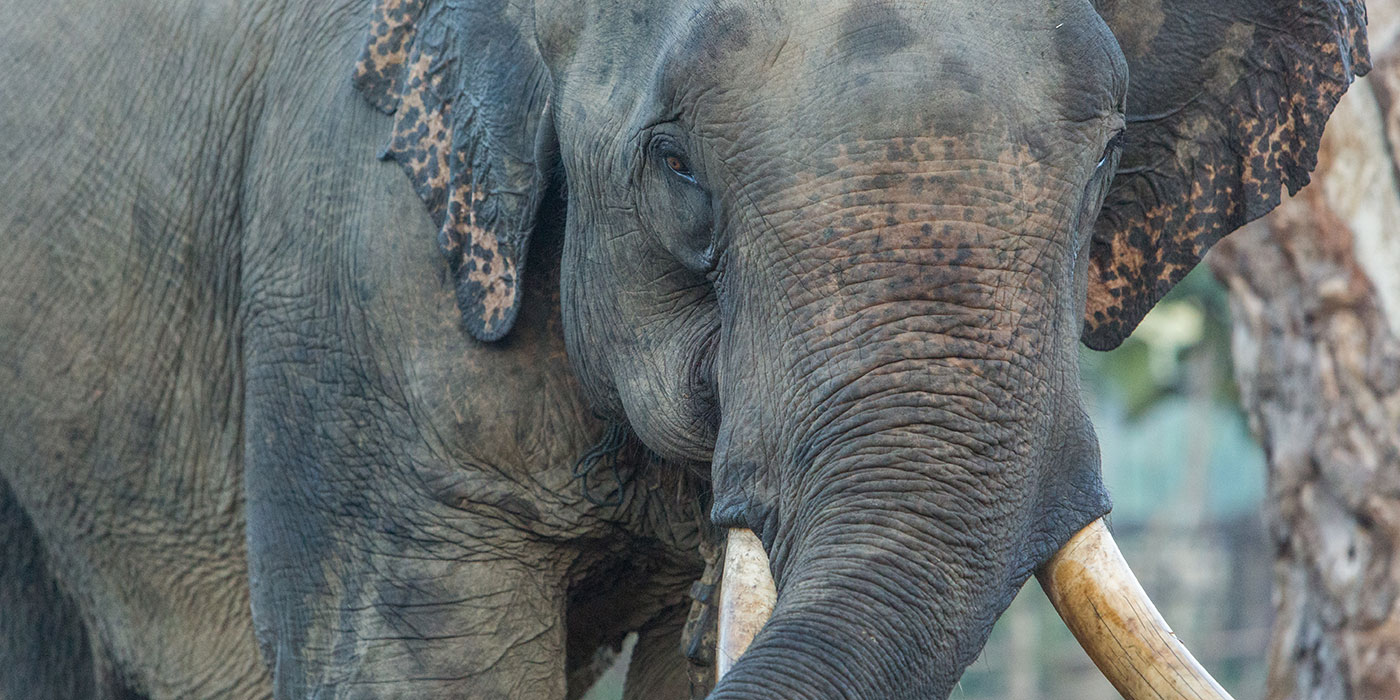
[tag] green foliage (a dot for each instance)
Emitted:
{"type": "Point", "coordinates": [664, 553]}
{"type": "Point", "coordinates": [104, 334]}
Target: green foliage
{"type": "Point", "coordinates": [1192, 321]}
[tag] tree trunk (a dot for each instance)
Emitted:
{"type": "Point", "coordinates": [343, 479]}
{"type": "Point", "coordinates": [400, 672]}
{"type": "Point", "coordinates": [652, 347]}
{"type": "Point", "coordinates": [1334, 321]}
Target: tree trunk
{"type": "Point", "coordinates": [1315, 295]}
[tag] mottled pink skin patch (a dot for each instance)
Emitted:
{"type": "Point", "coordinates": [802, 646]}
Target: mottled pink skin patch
{"type": "Point", "coordinates": [484, 264]}
{"type": "Point", "coordinates": [1191, 175]}
{"type": "Point", "coordinates": [399, 76]}
{"type": "Point", "coordinates": [390, 34]}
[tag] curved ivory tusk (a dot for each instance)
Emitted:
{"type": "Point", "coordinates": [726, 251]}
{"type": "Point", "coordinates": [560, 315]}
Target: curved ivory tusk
{"type": "Point", "coordinates": [746, 597]}
{"type": "Point", "coordinates": [1105, 607]}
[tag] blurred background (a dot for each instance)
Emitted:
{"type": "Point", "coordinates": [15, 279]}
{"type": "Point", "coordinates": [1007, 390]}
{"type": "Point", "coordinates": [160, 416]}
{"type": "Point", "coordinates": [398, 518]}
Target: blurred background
{"type": "Point", "coordinates": [1187, 481]}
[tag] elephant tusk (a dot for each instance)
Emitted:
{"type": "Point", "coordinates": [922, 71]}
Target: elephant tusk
{"type": "Point", "coordinates": [1102, 603]}
{"type": "Point", "coordinates": [746, 597]}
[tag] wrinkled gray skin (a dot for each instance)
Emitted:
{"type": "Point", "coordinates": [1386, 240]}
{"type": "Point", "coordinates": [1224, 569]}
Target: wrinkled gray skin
{"type": "Point", "coordinates": [241, 421]}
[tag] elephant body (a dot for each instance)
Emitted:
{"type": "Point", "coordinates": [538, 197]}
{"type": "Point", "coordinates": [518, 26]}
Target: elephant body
{"type": "Point", "coordinates": [280, 421]}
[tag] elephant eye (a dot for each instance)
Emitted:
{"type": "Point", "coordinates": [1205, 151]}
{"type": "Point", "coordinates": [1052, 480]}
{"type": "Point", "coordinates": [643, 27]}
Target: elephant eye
{"type": "Point", "coordinates": [1114, 144]}
{"type": "Point", "coordinates": [677, 165]}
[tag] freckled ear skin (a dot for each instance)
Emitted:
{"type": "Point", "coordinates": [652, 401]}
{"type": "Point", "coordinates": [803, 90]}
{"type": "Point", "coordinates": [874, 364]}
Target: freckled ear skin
{"type": "Point", "coordinates": [1226, 104]}
{"type": "Point", "coordinates": [468, 91]}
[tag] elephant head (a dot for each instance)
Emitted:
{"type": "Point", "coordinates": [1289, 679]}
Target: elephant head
{"type": "Point", "coordinates": [844, 252]}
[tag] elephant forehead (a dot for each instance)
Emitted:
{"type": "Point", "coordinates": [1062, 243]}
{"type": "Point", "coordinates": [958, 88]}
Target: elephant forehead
{"type": "Point", "coordinates": [927, 193]}
{"type": "Point", "coordinates": [878, 68]}
{"type": "Point", "coordinates": [917, 211]}
{"type": "Point", "coordinates": [1009, 180]}
{"type": "Point", "coordinates": [985, 165]}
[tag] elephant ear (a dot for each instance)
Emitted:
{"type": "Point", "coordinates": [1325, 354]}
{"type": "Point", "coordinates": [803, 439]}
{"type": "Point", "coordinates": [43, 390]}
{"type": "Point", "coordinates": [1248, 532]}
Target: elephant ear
{"type": "Point", "coordinates": [468, 91]}
{"type": "Point", "coordinates": [1226, 105]}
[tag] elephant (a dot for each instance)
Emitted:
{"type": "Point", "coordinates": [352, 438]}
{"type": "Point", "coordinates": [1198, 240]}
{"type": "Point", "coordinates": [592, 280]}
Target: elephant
{"type": "Point", "coordinates": [426, 348]}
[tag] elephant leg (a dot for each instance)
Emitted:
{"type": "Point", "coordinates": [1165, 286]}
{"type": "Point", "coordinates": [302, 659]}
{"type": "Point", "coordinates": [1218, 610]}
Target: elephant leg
{"type": "Point", "coordinates": [658, 669]}
{"type": "Point", "coordinates": [44, 646]}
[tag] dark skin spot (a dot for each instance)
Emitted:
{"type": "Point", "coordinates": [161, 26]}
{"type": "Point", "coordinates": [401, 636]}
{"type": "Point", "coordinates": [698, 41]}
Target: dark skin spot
{"type": "Point", "coordinates": [871, 31]}
{"type": "Point", "coordinates": [726, 32]}
{"type": "Point", "coordinates": [1039, 147]}
{"type": "Point", "coordinates": [957, 68]}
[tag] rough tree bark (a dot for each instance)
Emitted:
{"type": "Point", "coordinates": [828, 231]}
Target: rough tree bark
{"type": "Point", "coordinates": [1315, 295]}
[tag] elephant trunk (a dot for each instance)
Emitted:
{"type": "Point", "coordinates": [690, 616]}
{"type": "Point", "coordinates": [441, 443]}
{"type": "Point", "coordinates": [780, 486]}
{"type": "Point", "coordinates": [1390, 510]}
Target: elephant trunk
{"type": "Point", "coordinates": [893, 401]}
{"type": "Point", "coordinates": [888, 590]}
{"type": "Point", "coordinates": [901, 428]}
{"type": "Point", "coordinates": [1087, 581]}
